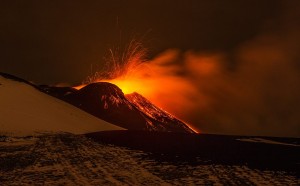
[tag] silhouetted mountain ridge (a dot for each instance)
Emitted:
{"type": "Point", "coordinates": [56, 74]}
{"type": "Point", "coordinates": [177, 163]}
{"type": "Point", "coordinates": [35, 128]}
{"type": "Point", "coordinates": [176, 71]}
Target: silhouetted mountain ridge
{"type": "Point", "coordinates": [134, 112]}
{"type": "Point", "coordinates": [15, 78]}
{"type": "Point", "coordinates": [107, 101]}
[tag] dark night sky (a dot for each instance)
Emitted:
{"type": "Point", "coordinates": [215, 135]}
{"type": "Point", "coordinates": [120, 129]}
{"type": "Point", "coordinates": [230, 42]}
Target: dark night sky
{"type": "Point", "coordinates": [57, 41]}
{"type": "Point", "coordinates": [238, 60]}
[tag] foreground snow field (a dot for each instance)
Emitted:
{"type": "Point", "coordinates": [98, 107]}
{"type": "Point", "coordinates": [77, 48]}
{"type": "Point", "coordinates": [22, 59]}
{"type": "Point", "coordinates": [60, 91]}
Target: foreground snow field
{"type": "Point", "coordinates": [67, 159]}
{"type": "Point", "coordinates": [25, 110]}
{"type": "Point", "coordinates": [41, 144]}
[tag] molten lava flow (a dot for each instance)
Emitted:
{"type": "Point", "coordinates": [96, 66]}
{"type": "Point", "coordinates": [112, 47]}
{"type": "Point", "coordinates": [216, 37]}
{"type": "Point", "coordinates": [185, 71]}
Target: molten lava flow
{"type": "Point", "coordinates": [154, 88]}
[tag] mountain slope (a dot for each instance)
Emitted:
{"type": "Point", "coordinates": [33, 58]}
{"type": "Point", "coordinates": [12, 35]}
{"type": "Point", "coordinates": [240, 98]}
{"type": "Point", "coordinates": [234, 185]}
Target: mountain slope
{"type": "Point", "coordinates": [161, 120]}
{"type": "Point", "coordinates": [133, 112]}
{"type": "Point", "coordinates": [107, 101]}
{"type": "Point", "coordinates": [25, 110]}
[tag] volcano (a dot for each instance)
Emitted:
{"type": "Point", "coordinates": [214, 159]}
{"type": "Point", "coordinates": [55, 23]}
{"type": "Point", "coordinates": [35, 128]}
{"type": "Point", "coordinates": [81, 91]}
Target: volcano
{"type": "Point", "coordinates": [131, 111]}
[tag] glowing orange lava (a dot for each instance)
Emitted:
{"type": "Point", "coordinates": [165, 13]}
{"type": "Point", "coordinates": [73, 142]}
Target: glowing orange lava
{"type": "Point", "coordinates": [132, 73]}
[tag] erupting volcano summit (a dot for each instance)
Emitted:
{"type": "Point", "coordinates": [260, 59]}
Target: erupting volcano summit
{"type": "Point", "coordinates": [131, 111]}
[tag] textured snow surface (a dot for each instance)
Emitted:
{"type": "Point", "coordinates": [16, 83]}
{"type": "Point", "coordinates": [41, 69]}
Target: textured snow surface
{"type": "Point", "coordinates": [66, 159]}
{"type": "Point", "coordinates": [24, 110]}
{"type": "Point", "coordinates": [261, 140]}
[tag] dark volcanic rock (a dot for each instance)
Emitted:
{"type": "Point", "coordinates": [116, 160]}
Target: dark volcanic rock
{"type": "Point", "coordinates": [209, 148]}
{"type": "Point", "coordinates": [15, 78]}
{"type": "Point", "coordinates": [58, 92]}
{"type": "Point", "coordinates": [107, 101]}
{"type": "Point", "coordinates": [134, 112]}
{"type": "Point", "coordinates": [160, 120]}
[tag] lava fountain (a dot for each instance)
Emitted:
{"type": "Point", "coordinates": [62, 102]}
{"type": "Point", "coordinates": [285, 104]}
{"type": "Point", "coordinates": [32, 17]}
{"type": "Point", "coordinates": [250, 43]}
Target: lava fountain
{"type": "Point", "coordinates": [124, 68]}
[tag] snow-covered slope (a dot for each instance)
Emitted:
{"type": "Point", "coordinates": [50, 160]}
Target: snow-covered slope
{"type": "Point", "coordinates": [53, 160]}
{"type": "Point", "coordinates": [25, 110]}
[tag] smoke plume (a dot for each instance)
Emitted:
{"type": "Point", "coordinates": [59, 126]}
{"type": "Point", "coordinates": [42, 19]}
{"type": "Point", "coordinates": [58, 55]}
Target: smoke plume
{"type": "Point", "coordinates": [251, 91]}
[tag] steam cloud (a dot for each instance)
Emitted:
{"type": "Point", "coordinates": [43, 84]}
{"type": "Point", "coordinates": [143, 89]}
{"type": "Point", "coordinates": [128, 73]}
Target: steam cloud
{"type": "Point", "coordinates": [253, 91]}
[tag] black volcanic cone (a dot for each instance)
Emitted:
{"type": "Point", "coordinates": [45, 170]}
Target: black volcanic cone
{"type": "Point", "coordinates": [107, 101]}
